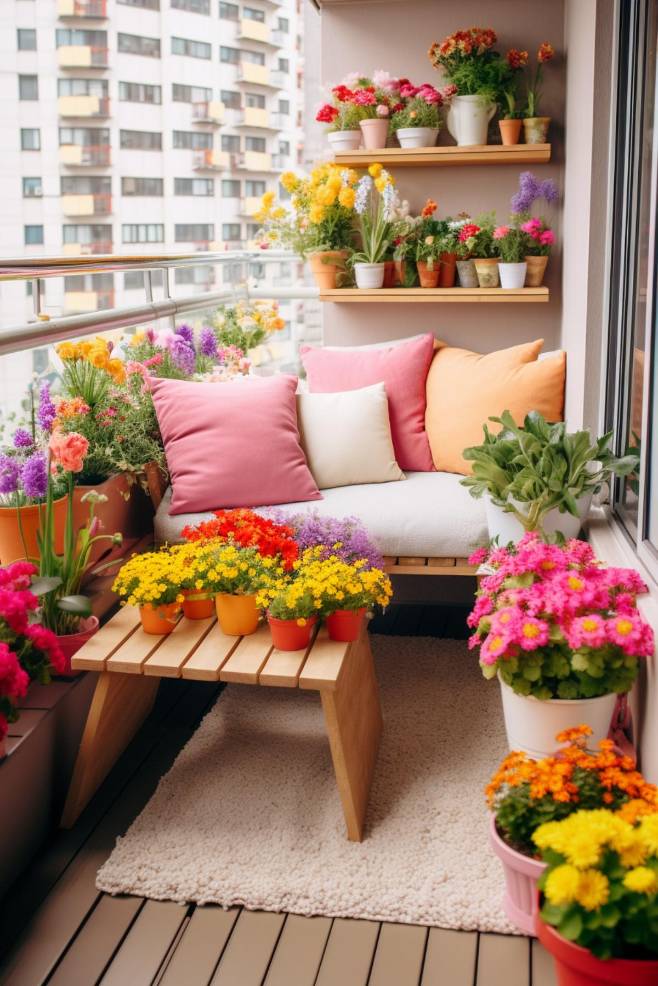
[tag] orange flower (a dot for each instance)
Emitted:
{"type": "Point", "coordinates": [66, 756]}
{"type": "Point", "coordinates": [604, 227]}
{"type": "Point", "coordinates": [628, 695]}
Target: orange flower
{"type": "Point", "coordinates": [517, 59]}
{"type": "Point", "coordinates": [68, 451]}
{"type": "Point", "coordinates": [429, 208]}
{"type": "Point", "coordinates": [545, 52]}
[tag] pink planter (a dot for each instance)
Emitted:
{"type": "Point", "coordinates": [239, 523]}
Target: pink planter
{"type": "Point", "coordinates": [375, 133]}
{"type": "Point", "coordinates": [521, 898]}
{"type": "Point", "coordinates": [72, 642]}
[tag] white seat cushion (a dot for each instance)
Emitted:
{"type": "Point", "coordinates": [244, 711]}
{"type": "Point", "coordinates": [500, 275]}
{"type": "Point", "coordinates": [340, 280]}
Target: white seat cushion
{"type": "Point", "coordinates": [429, 515]}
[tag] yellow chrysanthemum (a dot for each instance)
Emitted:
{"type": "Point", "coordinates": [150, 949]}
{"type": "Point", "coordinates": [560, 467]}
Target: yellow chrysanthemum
{"type": "Point", "coordinates": [289, 181]}
{"type": "Point", "coordinates": [316, 213]}
{"type": "Point", "coordinates": [593, 890]}
{"type": "Point", "coordinates": [375, 170]}
{"type": "Point", "coordinates": [66, 351]}
{"type": "Point", "coordinates": [641, 880]}
{"type": "Point", "coordinates": [346, 197]}
{"type": "Point", "coordinates": [562, 885]}
{"type": "Point", "coordinates": [648, 829]}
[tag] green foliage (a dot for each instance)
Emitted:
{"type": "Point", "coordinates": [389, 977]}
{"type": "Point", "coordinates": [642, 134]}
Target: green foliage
{"type": "Point", "coordinates": [485, 246]}
{"type": "Point", "coordinates": [487, 76]}
{"type": "Point", "coordinates": [416, 113]}
{"type": "Point", "coordinates": [349, 117]}
{"type": "Point", "coordinates": [513, 248]}
{"type": "Point", "coordinates": [557, 671]}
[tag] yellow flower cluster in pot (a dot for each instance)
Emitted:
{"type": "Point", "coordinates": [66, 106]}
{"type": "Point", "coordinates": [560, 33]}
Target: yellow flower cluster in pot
{"type": "Point", "coordinates": [98, 353]}
{"type": "Point", "coordinates": [154, 577]}
{"type": "Point", "coordinates": [217, 566]}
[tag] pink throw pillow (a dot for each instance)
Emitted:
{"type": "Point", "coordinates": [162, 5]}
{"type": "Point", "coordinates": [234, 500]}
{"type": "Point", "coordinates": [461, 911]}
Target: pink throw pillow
{"type": "Point", "coordinates": [402, 368]}
{"type": "Point", "coordinates": [233, 444]}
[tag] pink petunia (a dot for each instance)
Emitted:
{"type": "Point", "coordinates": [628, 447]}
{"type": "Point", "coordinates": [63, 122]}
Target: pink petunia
{"type": "Point", "coordinates": [547, 238]}
{"type": "Point", "coordinates": [500, 232]}
{"type": "Point", "coordinates": [532, 633]}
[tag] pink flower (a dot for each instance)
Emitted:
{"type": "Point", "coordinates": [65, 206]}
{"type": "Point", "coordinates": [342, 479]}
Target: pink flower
{"type": "Point", "coordinates": [500, 232]}
{"type": "Point", "coordinates": [68, 451]}
{"type": "Point", "coordinates": [532, 226]}
{"type": "Point", "coordinates": [382, 110]}
{"type": "Point", "coordinates": [363, 97]}
{"type": "Point", "coordinates": [430, 95]}
{"type": "Point", "coordinates": [408, 91]}
{"type": "Point", "coordinates": [45, 640]}
{"type": "Point", "coordinates": [586, 631]}
{"type": "Point", "coordinates": [494, 647]}
{"type": "Point", "coordinates": [532, 633]}
{"type": "Point", "coordinates": [478, 556]}
{"type": "Point", "coordinates": [547, 238]}
{"type": "Point", "coordinates": [13, 679]}
{"type": "Point", "coordinates": [449, 91]}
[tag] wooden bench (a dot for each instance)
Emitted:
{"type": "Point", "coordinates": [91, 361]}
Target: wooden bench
{"type": "Point", "coordinates": [131, 663]}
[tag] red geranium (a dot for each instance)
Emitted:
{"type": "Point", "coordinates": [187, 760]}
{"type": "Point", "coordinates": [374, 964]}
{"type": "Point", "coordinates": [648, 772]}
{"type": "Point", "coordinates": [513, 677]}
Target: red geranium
{"type": "Point", "coordinates": [342, 93]}
{"type": "Point", "coordinates": [249, 530]}
{"type": "Point", "coordinates": [326, 113]}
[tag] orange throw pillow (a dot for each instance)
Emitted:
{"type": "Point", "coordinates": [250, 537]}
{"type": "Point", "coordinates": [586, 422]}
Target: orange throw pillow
{"type": "Point", "coordinates": [464, 389]}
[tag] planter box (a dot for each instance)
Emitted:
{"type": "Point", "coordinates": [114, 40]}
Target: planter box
{"type": "Point", "coordinates": [128, 510]}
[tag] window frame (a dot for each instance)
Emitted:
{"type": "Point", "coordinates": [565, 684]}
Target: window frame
{"type": "Point", "coordinates": [33, 226]}
{"type": "Point", "coordinates": [22, 32]}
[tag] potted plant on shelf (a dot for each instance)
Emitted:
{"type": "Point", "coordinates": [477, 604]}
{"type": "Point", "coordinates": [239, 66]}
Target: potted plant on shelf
{"type": "Point", "coordinates": [600, 898]}
{"type": "Point", "coordinates": [511, 245]}
{"type": "Point", "coordinates": [417, 122]}
{"type": "Point", "coordinates": [347, 590]}
{"type": "Point", "coordinates": [478, 73]}
{"type": "Point", "coordinates": [539, 476]}
{"type": "Point", "coordinates": [510, 122]}
{"type": "Point", "coordinates": [540, 237]}
{"type": "Point", "coordinates": [404, 230]}
{"type": "Point", "coordinates": [376, 98]}
{"type": "Point", "coordinates": [525, 793]}
{"type": "Point", "coordinates": [343, 117]}
{"type": "Point", "coordinates": [151, 581]}
{"type": "Point", "coordinates": [428, 247]}
{"type": "Point", "coordinates": [374, 204]}
{"type": "Point", "coordinates": [535, 127]}
{"type": "Point", "coordinates": [562, 634]}
{"type": "Point", "coordinates": [467, 232]}
{"type": "Point", "coordinates": [485, 251]}
{"type": "Point", "coordinates": [448, 246]}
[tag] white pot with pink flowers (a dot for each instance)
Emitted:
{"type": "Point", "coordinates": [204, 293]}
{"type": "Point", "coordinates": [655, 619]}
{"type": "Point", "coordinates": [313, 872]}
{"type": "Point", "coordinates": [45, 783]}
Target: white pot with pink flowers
{"type": "Point", "coordinates": [360, 108]}
{"type": "Point", "coordinates": [416, 121]}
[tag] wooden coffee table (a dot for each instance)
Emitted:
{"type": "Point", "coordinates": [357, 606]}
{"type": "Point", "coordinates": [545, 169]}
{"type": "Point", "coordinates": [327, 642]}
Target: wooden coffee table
{"type": "Point", "coordinates": [131, 663]}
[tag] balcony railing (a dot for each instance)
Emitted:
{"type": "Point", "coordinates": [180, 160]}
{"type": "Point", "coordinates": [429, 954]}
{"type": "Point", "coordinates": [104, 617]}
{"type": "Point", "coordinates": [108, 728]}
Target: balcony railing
{"type": "Point", "coordinates": [84, 106]}
{"type": "Point", "coordinates": [99, 204]}
{"type": "Point", "coordinates": [88, 301]}
{"type": "Point", "coordinates": [85, 155]}
{"type": "Point", "coordinates": [82, 56]}
{"type": "Point", "coordinates": [208, 112]}
{"type": "Point", "coordinates": [249, 205]}
{"type": "Point", "coordinates": [212, 160]}
{"type": "Point", "coordinates": [91, 248]}
{"type": "Point", "coordinates": [95, 9]}
{"type": "Point", "coordinates": [254, 161]}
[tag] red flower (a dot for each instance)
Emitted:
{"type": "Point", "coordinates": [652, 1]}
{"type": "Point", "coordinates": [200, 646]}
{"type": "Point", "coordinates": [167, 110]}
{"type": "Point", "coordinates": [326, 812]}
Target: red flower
{"type": "Point", "coordinates": [249, 530]}
{"type": "Point", "coordinates": [13, 679]}
{"type": "Point", "coordinates": [326, 113]}
{"type": "Point", "coordinates": [365, 97]}
{"type": "Point", "coordinates": [46, 641]}
{"type": "Point", "coordinates": [429, 208]}
{"type": "Point", "coordinates": [517, 59]}
{"type": "Point", "coordinates": [545, 52]}
{"type": "Point", "coordinates": [467, 231]}
{"type": "Point", "coordinates": [342, 93]}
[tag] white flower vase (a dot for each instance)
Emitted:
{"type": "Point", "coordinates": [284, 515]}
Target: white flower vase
{"type": "Point", "coordinates": [512, 276]}
{"type": "Point", "coordinates": [468, 119]}
{"type": "Point", "coordinates": [417, 136]}
{"type": "Point", "coordinates": [508, 529]}
{"type": "Point", "coordinates": [369, 276]}
{"type": "Point", "coordinates": [344, 140]}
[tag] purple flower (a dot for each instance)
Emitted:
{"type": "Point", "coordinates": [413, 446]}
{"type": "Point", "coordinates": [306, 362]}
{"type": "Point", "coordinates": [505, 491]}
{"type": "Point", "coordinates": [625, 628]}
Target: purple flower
{"type": "Point", "coordinates": [35, 476]}
{"type": "Point", "coordinates": [22, 438]}
{"type": "Point", "coordinates": [9, 474]}
{"type": "Point", "coordinates": [208, 342]}
{"type": "Point", "coordinates": [531, 189]}
{"type": "Point", "coordinates": [46, 412]}
{"type": "Point", "coordinates": [183, 356]}
{"type": "Point", "coordinates": [186, 332]}
{"type": "Point", "coordinates": [345, 537]}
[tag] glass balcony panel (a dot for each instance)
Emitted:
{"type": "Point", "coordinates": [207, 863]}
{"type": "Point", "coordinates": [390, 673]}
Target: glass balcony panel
{"type": "Point", "coordinates": [83, 106]}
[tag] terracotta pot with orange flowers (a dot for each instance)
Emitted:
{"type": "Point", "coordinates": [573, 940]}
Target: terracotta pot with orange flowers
{"type": "Point", "coordinates": [428, 246]}
{"type": "Point", "coordinates": [535, 127]}
{"type": "Point", "coordinates": [525, 793]}
{"type": "Point", "coordinates": [510, 122]}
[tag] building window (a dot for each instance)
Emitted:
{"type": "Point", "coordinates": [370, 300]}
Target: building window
{"type": "Point", "coordinates": [204, 274]}
{"type": "Point", "coordinates": [146, 4]}
{"type": "Point", "coordinates": [254, 189]}
{"type": "Point", "coordinates": [284, 107]}
{"type": "Point", "coordinates": [33, 235]}
{"type": "Point", "coordinates": [631, 405]}
{"type": "Point", "coordinates": [254, 100]}
{"type": "Point", "coordinates": [28, 87]}
{"type": "Point", "coordinates": [32, 188]}
{"type": "Point", "coordinates": [283, 24]}
{"type": "Point", "coordinates": [135, 44]}
{"type": "Point", "coordinates": [26, 39]}
{"type": "Point", "coordinates": [84, 136]}
{"type": "Point", "coordinates": [142, 233]}
{"type": "Point", "coordinates": [231, 231]}
{"type": "Point", "coordinates": [140, 140]}
{"type": "Point", "coordinates": [139, 92]}
{"type": "Point", "coordinates": [30, 139]}
{"type": "Point", "coordinates": [192, 140]}
{"type": "Point", "coordinates": [255, 144]}
{"type": "Point", "coordinates": [284, 65]}
{"type": "Point", "coordinates": [190, 94]}
{"type": "Point", "coordinates": [229, 11]}
{"type": "Point", "coordinates": [231, 99]}
{"type": "Point", "coordinates": [255, 57]}
{"type": "Point", "coordinates": [194, 186]}
{"type": "Point", "coordinates": [194, 232]}
{"type": "Point", "coordinates": [230, 56]}
{"type": "Point", "coordinates": [142, 186]}
{"type": "Point", "coordinates": [284, 147]}
{"type": "Point", "coordinates": [86, 234]}
{"type": "Point", "coordinates": [193, 49]}
{"type": "Point", "coordinates": [73, 37]}
{"type": "Point", "coordinates": [252, 14]}
{"type": "Point", "coordinates": [194, 6]}
{"type": "Point", "coordinates": [230, 188]}
{"type": "Point", "coordinates": [230, 143]}
{"type": "Point", "coordinates": [83, 87]}
{"type": "Point", "coordinates": [85, 185]}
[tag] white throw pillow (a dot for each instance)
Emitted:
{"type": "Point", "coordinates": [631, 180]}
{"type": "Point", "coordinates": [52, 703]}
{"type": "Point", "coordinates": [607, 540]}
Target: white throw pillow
{"type": "Point", "coordinates": [347, 437]}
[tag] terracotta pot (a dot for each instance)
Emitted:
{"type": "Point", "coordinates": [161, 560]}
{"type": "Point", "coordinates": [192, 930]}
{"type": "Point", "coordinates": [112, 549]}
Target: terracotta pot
{"type": "Point", "coordinates": [197, 605]}
{"type": "Point", "coordinates": [467, 274]}
{"type": "Point", "coordinates": [405, 274]}
{"type": "Point", "coordinates": [447, 270]}
{"type": "Point", "coordinates": [510, 131]}
{"type": "Point", "coordinates": [375, 133]}
{"type": "Point", "coordinates": [71, 643]}
{"type": "Point", "coordinates": [237, 615]}
{"type": "Point", "coordinates": [289, 635]}
{"type": "Point", "coordinates": [428, 278]}
{"type": "Point", "coordinates": [11, 543]}
{"type": "Point", "coordinates": [486, 269]}
{"type": "Point", "coordinates": [534, 277]}
{"type": "Point", "coordinates": [127, 511]}
{"type": "Point", "coordinates": [345, 624]}
{"type": "Point", "coordinates": [389, 274]}
{"type": "Point", "coordinates": [575, 966]}
{"type": "Point", "coordinates": [535, 129]}
{"type": "Point", "coordinates": [325, 266]}
{"type": "Point", "coordinates": [521, 897]}
{"type": "Point", "coordinates": [159, 619]}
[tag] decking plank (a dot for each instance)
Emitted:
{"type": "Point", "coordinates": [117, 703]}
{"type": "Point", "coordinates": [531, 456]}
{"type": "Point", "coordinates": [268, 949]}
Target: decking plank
{"type": "Point", "coordinates": [247, 660]}
{"type": "Point", "coordinates": [249, 949]}
{"type": "Point", "coordinates": [543, 970]}
{"type": "Point", "coordinates": [131, 656]}
{"type": "Point", "coordinates": [146, 945]}
{"type": "Point", "coordinates": [399, 955]}
{"type": "Point", "coordinates": [92, 656]}
{"type": "Point", "coordinates": [200, 947]}
{"type": "Point", "coordinates": [323, 664]}
{"type": "Point", "coordinates": [97, 941]}
{"type": "Point", "coordinates": [349, 952]}
{"type": "Point", "coordinates": [503, 960]}
{"type": "Point", "coordinates": [210, 656]}
{"type": "Point", "coordinates": [450, 959]}
{"type": "Point", "coordinates": [168, 660]}
{"type": "Point", "coordinates": [299, 952]}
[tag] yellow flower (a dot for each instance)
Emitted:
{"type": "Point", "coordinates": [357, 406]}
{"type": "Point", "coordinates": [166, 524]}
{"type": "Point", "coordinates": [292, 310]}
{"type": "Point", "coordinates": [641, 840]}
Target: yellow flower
{"type": "Point", "coordinates": [289, 181]}
{"type": "Point", "coordinates": [117, 370]}
{"type": "Point", "coordinates": [326, 195]}
{"type": "Point", "coordinates": [641, 880]}
{"type": "Point", "coordinates": [66, 351]}
{"type": "Point", "coordinates": [375, 170]}
{"type": "Point", "coordinates": [562, 885]}
{"type": "Point", "coordinates": [648, 829]}
{"type": "Point", "coordinates": [137, 339]}
{"type": "Point", "coordinates": [268, 199]}
{"type": "Point", "coordinates": [346, 197]}
{"type": "Point", "coordinates": [98, 358]}
{"type": "Point", "coordinates": [316, 213]}
{"type": "Point", "coordinates": [593, 890]}
{"type": "Point", "coordinates": [380, 184]}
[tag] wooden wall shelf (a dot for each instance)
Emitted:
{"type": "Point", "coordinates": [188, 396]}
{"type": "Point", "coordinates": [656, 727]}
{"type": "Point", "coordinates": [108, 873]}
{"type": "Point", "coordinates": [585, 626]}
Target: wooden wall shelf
{"type": "Point", "coordinates": [485, 296]}
{"type": "Point", "coordinates": [441, 156]}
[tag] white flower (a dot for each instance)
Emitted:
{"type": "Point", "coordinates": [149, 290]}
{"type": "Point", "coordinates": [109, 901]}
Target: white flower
{"type": "Point", "coordinates": [363, 189]}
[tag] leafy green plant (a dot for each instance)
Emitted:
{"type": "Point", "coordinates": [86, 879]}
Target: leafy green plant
{"type": "Point", "coordinates": [511, 243]}
{"type": "Point", "coordinates": [484, 245]}
{"type": "Point", "coordinates": [531, 469]}
{"type": "Point", "coordinates": [348, 117]}
{"type": "Point", "coordinates": [417, 113]}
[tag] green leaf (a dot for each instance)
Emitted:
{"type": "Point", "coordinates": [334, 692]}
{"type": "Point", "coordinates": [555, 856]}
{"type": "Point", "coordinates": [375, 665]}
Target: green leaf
{"type": "Point", "coordinates": [571, 925]}
{"type": "Point", "coordinates": [43, 584]}
{"type": "Point", "coordinates": [80, 605]}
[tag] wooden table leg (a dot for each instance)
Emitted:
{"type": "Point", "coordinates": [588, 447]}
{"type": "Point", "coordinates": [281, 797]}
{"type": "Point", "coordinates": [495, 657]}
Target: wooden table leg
{"type": "Point", "coordinates": [353, 719]}
{"type": "Point", "coordinates": [120, 704]}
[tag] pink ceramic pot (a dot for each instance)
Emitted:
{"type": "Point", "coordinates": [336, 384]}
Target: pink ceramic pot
{"type": "Point", "coordinates": [521, 897]}
{"type": "Point", "coordinates": [72, 642]}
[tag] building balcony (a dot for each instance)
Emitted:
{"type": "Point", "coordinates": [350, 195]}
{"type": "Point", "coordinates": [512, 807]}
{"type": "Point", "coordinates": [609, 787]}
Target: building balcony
{"type": "Point", "coordinates": [79, 155]}
{"type": "Point", "coordinates": [254, 161]}
{"type": "Point", "coordinates": [88, 301]}
{"type": "Point", "coordinates": [250, 30]}
{"type": "Point", "coordinates": [87, 249]}
{"type": "Point", "coordinates": [87, 205]}
{"type": "Point", "coordinates": [249, 205]}
{"type": "Point", "coordinates": [82, 56]}
{"type": "Point", "coordinates": [212, 160]}
{"type": "Point", "coordinates": [281, 162]}
{"type": "Point", "coordinates": [92, 9]}
{"type": "Point", "coordinates": [261, 75]}
{"type": "Point", "coordinates": [208, 112]}
{"type": "Point", "coordinates": [257, 119]}
{"type": "Point", "coordinates": [97, 107]}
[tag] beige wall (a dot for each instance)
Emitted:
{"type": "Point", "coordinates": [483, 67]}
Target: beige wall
{"type": "Point", "coordinates": [396, 36]}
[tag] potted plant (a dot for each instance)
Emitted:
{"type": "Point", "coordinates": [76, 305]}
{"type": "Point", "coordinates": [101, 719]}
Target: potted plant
{"type": "Point", "coordinates": [540, 240]}
{"type": "Point", "coordinates": [417, 122]}
{"type": "Point", "coordinates": [511, 244]}
{"type": "Point", "coordinates": [540, 237]}
{"type": "Point", "coordinates": [404, 229]}
{"type": "Point", "coordinates": [151, 581]}
{"type": "Point", "coordinates": [525, 793]}
{"type": "Point", "coordinates": [374, 203]}
{"type": "Point", "coordinates": [428, 247]}
{"type": "Point", "coordinates": [376, 99]}
{"type": "Point", "coordinates": [539, 476]}
{"type": "Point", "coordinates": [535, 127]}
{"type": "Point", "coordinates": [343, 116]}
{"type": "Point", "coordinates": [562, 634]}
{"type": "Point", "coordinates": [485, 251]}
{"type": "Point", "coordinates": [600, 898]}
{"type": "Point", "coordinates": [343, 537]}
{"type": "Point", "coordinates": [234, 575]}
{"type": "Point", "coordinates": [448, 251]}
{"type": "Point", "coordinates": [292, 609]}
{"type": "Point", "coordinates": [478, 73]}
{"type": "Point", "coordinates": [247, 529]}
{"type": "Point", "coordinates": [510, 122]}
{"type": "Point", "coordinates": [466, 231]}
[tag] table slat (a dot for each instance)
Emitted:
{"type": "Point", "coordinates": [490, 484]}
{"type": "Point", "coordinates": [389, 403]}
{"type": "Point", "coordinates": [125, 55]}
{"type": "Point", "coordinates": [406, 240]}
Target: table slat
{"type": "Point", "coordinates": [131, 656]}
{"type": "Point", "coordinates": [283, 667]}
{"type": "Point", "coordinates": [210, 656]}
{"type": "Point", "coordinates": [93, 655]}
{"type": "Point", "coordinates": [246, 661]}
{"type": "Point", "coordinates": [323, 663]}
{"type": "Point", "coordinates": [171, 655]}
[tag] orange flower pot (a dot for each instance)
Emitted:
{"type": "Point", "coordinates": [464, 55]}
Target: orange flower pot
{"type": "Point", "coordinates": [428, 278]}
{"type": "Point", "coordinates": [576, 966]}
{"type": "Point", "coordinates": [345, 624]}
{"type": "Point", "coordinates": [535, 272]}
{"type": "Point", "coordinates": [11, 543]}
{"type": "Point", "coordinates": [197, 605]}
{"type": "Point", "coordinates": [325, 266]}
{"type": "Point", "coordinates": [389, 274]}
{"type": "Point", "coordinates": [447, 270]}
{"type": "Point", "coordinates": [289, 635]}
{"type": "Point", "coordinates": [127, 511]}
{"type": "Point", "coordinates": [510, 131]}
{"type": "Point", "coordinates": [238, 615]}
{"type": "Point", "coordinates": [159, 619]}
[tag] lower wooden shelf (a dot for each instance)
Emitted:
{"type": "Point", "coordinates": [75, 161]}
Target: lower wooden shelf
{"type": "Point", "coordinates": [485, 296]}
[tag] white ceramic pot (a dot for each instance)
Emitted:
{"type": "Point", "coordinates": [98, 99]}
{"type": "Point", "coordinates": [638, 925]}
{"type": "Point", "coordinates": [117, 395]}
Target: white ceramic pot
{"type": "Point", "coordinates": [417, 136]}
{"type": "Point", "coordinates": [467, 119]}
{"type": "Point", "coordinates": [344, 140]}
{"type": "Point", "coordinates": [512, 275]}
{"type": "Point", "coordinates": [507, 528]}
{"type": "Point", "coordinates": [532, 724]}
{"type": "Point", "coordinates": [369, 276]}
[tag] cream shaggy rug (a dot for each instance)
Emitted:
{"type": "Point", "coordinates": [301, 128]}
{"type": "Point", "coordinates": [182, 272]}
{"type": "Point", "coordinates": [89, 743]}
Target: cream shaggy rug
{"type": "Point", "coordinates": [249, 813]}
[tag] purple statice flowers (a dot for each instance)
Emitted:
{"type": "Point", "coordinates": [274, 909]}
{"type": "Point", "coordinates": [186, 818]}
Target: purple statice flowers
{"type": "Point", "coordinates": [186, 332]}
{"type": "Point", "coordinates": [208, 342]}
{"type": "Point", "coordinates": [531, 189]}
{"type": "Point", "coordinates": [10, 471]}
{"type": "Point", "coordinates": [34, 476]}
{"type": "Point", "coordinates": [46, 411]}
{"type": "Point", "coordinates": [345, 537]}
{"type": "Point", "coordinates": [182, 355]}
{"type": "Point", "coordinates": [22, 438]}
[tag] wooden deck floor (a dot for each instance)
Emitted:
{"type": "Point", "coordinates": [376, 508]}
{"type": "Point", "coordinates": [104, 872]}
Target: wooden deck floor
{"type": "Point", "coordinates": [56, 928]}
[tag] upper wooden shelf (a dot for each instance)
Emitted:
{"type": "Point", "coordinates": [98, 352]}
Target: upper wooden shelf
{"type": "Point", "coordinates": [433, 295]}
{"type": "Point", "coordinates": [453, 156]}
